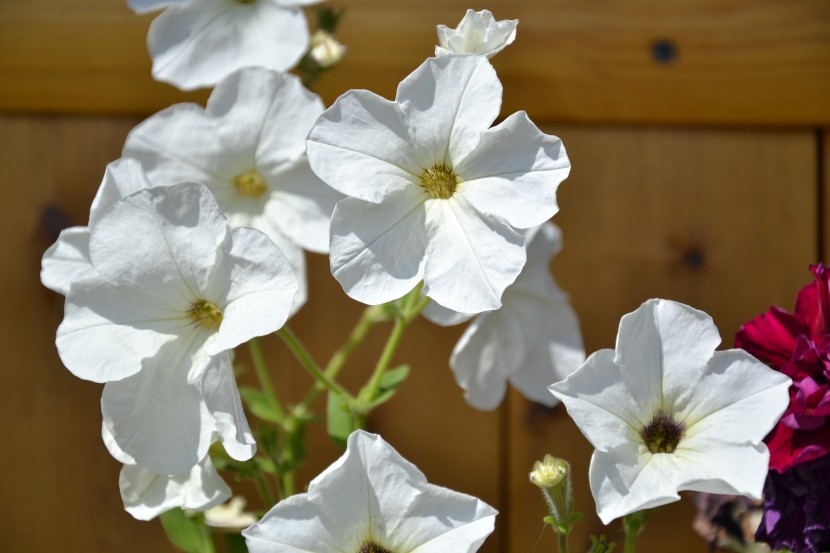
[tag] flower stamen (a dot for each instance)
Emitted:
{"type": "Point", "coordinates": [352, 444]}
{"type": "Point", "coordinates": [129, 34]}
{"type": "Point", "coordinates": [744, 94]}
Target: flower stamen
{"type": "Point", "coordinates": [372, 547]}
{"type": "Point", "coordinates": [440, 181]}
{"type": "Point", "coordinates": [205, 313]}
{"type": "Point", "coordinates": [662, 434]}
{"type": "Point", "coordinates": [251, 183]}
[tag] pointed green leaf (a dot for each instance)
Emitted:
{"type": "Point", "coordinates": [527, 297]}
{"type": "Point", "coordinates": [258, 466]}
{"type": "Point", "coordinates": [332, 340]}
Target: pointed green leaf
{"type": "Point", "coordinates": [340, 421]}
{"type": "Point", "coordinates": [259, 405]}
{"type": "Point", "coordinates": [186, 533]}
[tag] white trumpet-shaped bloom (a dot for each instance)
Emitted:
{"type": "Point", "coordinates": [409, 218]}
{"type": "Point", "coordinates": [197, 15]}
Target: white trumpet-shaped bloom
{"type": "Point", "coordinates": [436, 193]}
{"type": "Point", "coordinates": [477, 33]}
{"type": "Point", "coordinates": [372, 500]}
{"type": "Point", "coordinates": [67, 260]}
{"type": "Point", "coordinates": [248, 147]}
{"type": "Point", "coordinates": [175, 290]}
{"type": "Point", "coordinates": [196, 43]}
{"type": "Point", "coordinates": [532, 341]}
{"type": "Point", "coordinates": [667, 413]}
{"type": "Point", "coordinates": [147, 494]}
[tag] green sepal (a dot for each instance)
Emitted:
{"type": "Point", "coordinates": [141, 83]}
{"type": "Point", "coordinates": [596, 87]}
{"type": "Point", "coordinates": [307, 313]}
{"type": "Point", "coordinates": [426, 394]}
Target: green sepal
{"type": "Point", "coordinates": [601, 545]}
{"type": "Point", "coordinates": [188, 534]}
{"type": "Point", "coordinates": [259, 405]}
{"type": "Point", "coordinates": [340, 420]}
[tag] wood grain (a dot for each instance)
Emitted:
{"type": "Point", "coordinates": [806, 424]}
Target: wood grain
{"type": "Point", "coordinates": [723, 220]}
{"type": "Point", "coordinates": [737, 61]}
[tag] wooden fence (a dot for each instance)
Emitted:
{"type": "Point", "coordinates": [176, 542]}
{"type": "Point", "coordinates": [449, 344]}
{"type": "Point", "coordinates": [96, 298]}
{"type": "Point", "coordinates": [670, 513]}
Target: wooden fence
{"type": "Point", "coordinates": [695, 129]}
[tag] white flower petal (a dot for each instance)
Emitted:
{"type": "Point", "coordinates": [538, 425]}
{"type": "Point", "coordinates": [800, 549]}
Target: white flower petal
{"type": "Point", "coordinates": [477, 33]}
{"type": "Point", "coordinates": [372, 493]}
{"type": "Point", "coordinates": [265, 113]}
{"type": "Point", "coordinates": [196, 44]}
{"type": "Point", "coordinates": [262, 285]}
{"type": "Point", "coordinates": [738, 398]}
{"type": "Point", "coordinates": [180, 144]}
{"type": "Point", "coordinates": [449, 101]}
{"type": "Point", "coordinates": [223, 402]}
{"type": "Point", "coordinates": [714, 465]}
{"type": "Point", "coordinates": [514, 172]}
{"type": "Point", "coordinates": [481, 358]}
{"type": "Point", "coordinates": [599, 402]}
{"type": "Point", "coordinates": [107, 331]}
{"type": "Point", "coordinates": [436, 313]}
{"type": "Point", "coordinates": [113, 448]}
{"type": "Point", "coordinates": [67, 260]}
{"type": "Point", "coordinates": [628, 479]}
{"type": "Point", "coordinates": [122, 178]}
{"type": "Point", "coordinates": [361, 146]}
{"type": "Point", "coordinates": [144, 6]}
{"type": "Point", "coordinates": [470, 258]}
{"type": "Point", "coordinates": [147, 494]}
{"type": "Point", "coordinates": [662, 348]}
{"type": "Point", "coordinates": [302, 205]}
{"type": "Point", "coordinates": [157, 416]}
{"type": "Point", "coordinates": [552, 343]}
{"type": "Point", "coordinates": [182, 229]}
{"type": "Point", "coordinates": [377, 251]}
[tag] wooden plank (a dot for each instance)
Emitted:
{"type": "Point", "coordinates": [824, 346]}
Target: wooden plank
{"type": "Point", "coordinates": [61, 471]}
{"type": "Point", "coordinates": [725, 221]}
{"type": "Point", "coordinates": [737, 61]}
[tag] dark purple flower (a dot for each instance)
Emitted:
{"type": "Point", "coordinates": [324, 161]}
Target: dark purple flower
{"type": "Point", "coordinates": [797, 508]}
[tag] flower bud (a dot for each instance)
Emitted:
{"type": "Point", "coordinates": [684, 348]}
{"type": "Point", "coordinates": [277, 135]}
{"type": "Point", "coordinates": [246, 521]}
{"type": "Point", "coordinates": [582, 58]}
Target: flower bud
{"type": "Point", "coordinates": [553, 476]}
{"type": "Point", "coordinates": [550, 472]}
{"type": "Point", "coordinates": [325, 49]}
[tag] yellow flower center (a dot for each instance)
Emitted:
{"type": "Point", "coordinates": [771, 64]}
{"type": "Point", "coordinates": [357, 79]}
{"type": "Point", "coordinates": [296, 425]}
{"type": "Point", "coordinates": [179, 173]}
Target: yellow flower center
{"type": "Point", "coordinates": [372, 547]}
{"type": "Point", "coordinates": [440, 181]}
{"type": "Point", "coordinates": [250, 184]}
{"type": "Point", "coordinates": [205, 313]}
{"type": "Point", "coordinates": [663, 433]}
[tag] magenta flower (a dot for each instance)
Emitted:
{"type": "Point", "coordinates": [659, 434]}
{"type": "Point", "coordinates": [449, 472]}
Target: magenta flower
{"type": "Point", "coordinates": [798, 345]}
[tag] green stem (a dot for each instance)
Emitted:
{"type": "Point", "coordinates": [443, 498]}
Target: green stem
{"type": "Point", "coordinates": [338, 359]}
{"type": "Point", "coordinates": [264, 490]}
{"type": "Point", "coordinates": [287, 484]}
{"type": "Point", "coordinates": [261, 369]}
{"type": "Point", "coordinates": [308, 363]}
{"type": "Point", "coordinates": [371, 390]}
{"type": "Point", "coordinates": [207, 538]}
{"type": "Point", "coordinates": [563, 543]}
{"type": "Point", "coordinates": [411, 306]}
{"type": "Point", "coordinates": [633, 524]}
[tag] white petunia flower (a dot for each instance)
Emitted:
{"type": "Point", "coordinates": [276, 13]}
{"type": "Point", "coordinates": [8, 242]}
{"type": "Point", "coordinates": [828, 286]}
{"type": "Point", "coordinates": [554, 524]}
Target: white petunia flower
{"type": "Point", "coordinates": [248, 148]}
{"type": "Point", "coordinates": [176, 289]}
{"type": "Point", "coordinates": [372, 500]}
{"type": "Point", "coordinates": [437, 195]}
{"type": "Point", "coordinates": [477, 33]}
{"type": "Point", "coordinates": [147, 494]}
{"type": "Point", "coordinates": [67, 260]}
{"type": "Point", "coordinates": [532, 341]}
{"type": "Point", "coordinates": [196, 43]}
{"type": "Point", "coordinates": [667, 413]}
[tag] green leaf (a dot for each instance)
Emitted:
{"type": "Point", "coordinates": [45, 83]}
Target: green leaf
{"type": "Point", "coordinates": [186, 533]}
{"type": "Point", "coordinates": [394, 377]}
{"type": "Point", "coordinates": [389, 383]}
{"type": "Point", "coordinates": [340, 421]}
{"type": "Point", "coordinates": [259, 405]}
